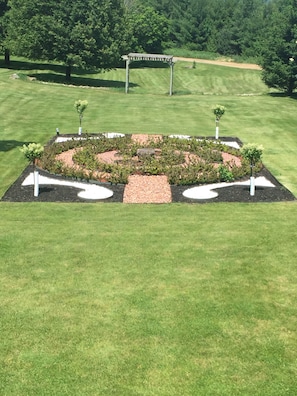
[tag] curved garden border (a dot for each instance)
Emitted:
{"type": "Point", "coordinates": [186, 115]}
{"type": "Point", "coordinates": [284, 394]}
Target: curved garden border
{"type": "Point", "coordinates": [64, 189]}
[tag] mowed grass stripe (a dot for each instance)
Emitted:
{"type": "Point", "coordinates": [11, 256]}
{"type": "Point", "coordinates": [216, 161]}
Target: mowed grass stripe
{"type": "Point", "coordinates": [147, 299]}
{"type": "Point", "coordinates": [218, 80]}
{"type": "Point", "coordinates": [122, 307]}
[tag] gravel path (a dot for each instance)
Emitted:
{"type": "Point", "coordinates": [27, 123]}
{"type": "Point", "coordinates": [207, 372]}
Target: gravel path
{"type": "Point", "coordinates": [147, 189]}
{"type": "Point", "coordinates": [250, 66]}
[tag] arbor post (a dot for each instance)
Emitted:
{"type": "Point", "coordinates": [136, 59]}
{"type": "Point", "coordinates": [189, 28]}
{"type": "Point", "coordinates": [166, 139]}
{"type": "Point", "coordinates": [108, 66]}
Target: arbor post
{"type": "Point", "coordinates": [171, 79]}
{"type": "Point", "coordinates": [148, 57]}
{"type": "Point", "coordinates": [127, 75]}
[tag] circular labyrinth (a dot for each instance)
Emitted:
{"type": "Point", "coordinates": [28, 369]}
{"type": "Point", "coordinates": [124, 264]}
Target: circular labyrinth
{"type": "Point", "coordinates": [185, 160]}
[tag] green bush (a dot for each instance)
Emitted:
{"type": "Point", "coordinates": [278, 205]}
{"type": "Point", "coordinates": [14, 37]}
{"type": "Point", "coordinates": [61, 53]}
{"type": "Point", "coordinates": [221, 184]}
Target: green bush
{"type": "Point", "coordinates": [32, 151]}
{"type": "Point", "coordinates": [225, 174]}
{"type": "Point", "coordinates": [184, 161]}
{"type": "Point", "coordinates": [86, 158]}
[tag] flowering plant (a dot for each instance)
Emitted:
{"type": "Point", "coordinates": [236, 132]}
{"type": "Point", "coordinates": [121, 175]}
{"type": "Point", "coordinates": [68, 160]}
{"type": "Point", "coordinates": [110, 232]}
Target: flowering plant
{"type": "Point", "coordinates": [32, 151]}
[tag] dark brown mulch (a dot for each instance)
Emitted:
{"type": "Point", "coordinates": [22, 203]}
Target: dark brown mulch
{"type": "Point", "coordinates": [55, 193]}
{"type": "Point", "coordinates": [241, 193]}
{"type": "Point", "coordinates": [58, 193]}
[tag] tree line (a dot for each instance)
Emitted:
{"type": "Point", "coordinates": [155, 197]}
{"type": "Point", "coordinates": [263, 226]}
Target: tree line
{"type": "Point", "coordinates": [228, 27]}
{"type": "Point", "coordinates": [95, 33]}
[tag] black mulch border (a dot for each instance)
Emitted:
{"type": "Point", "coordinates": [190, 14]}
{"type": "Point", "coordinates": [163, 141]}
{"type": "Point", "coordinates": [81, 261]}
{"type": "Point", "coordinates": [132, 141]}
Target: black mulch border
{"type": "Point", "coordinates": [241, 193]}
{"type": "Point", "coordinates": [58, 193]}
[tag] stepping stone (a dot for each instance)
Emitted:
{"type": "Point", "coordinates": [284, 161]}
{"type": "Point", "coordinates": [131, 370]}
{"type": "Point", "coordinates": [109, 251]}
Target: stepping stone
{"type": "Point", "coordinates": [145, 152]}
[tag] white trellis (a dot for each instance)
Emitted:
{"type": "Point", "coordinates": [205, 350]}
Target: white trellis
{"type": "Point", "coordinates": [148, 57]}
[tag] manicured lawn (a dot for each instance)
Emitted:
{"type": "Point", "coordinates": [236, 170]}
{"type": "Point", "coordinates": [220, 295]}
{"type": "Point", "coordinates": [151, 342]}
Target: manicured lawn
{"type": "Point", "coordinates": [178, 299]}
{"type": "Point", "coordinates": [148, 299]}
{"type": "Point", "coordinates": [31, 111]}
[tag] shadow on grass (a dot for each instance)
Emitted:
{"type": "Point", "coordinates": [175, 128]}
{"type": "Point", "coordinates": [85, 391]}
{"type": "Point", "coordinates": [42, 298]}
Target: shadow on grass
{"type": "Point", "coordinates": [148, 64]}
{"type": "Point", "coordinates": [7, 145]}
{"type": "Point", "coordinates": [28, 65]}
{"type": "Point", "coordinates": [57, 74]}
{"type": "Point", "coordinates": [79, 81]}
{"type": "Point", "coordinates": [182, 92]}
{"type": "Point", "coordinates": [283, 95]}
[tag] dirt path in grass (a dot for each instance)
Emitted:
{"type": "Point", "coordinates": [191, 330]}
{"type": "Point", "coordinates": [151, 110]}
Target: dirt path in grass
{"type": "Point", "coordinates": [220, 63]}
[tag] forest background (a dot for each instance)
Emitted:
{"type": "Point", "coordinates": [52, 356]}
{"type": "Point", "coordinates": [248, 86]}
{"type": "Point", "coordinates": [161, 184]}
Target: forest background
{"type": "Point", "coordinates": [94, 34]}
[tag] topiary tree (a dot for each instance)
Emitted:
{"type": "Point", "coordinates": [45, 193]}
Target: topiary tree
{"type": "Point", "coordinates": [80, 106]}
{"type": "Point", "coordinates": [32, 152]}
{"type": "Point", "coordinates": [218, 111]}
{"type": "Point", "coordinates": [253, 154]}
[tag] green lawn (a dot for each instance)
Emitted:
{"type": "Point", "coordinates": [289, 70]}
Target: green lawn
{"type": "Point", "coordinates": [178, 299]}
{"type": "Point", "coordinates": [148, 299]}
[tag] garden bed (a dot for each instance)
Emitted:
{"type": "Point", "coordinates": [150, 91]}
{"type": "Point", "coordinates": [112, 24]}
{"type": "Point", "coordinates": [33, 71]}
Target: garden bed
{"type": "Point", "coordinates": [145, 169]}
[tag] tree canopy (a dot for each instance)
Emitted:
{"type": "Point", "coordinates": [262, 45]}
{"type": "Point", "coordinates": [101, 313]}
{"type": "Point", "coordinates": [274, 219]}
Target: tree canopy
{"type": "Point", "coordinates": [95, 33]}
{"type": "Point", "coordinates": [87, 33]}
{"type": "Point", "coordinates": [3, 31]}
{"type": "Point", "coordinates": [279, 59]}
{"type": "Point", "coordinates": [146, 29]}
{"type": "Point", "coordinates": [229, 27]}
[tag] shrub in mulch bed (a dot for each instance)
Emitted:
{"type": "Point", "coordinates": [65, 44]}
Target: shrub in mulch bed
{"type": "Point", "coordinates": [183, 161]}
{"type": "Point", "coordinates": [59, 193]}
{"type": "Point", "coordinates": [180, 175]}
{"type": "Point", "coordinates": [240, 193]}
{"type": "Point", "coordinates": [55, 193]}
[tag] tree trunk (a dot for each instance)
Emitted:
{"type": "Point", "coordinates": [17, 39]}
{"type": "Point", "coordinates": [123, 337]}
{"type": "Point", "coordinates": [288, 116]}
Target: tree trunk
{"type": "Point", "coordinates": [291, 86]}
{"type": "Point", "coordinates": [68, 72]}
{"type": "Point", "coordinates": [7, 56]}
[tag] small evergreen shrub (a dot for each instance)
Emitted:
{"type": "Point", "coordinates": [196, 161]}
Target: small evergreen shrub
{"type": "Point", "coordinates": [225, 174]}
{"type": "Point", "coordinates": [184, 161]}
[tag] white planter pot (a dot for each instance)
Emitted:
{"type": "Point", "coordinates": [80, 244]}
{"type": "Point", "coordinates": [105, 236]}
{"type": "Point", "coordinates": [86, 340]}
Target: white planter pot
{"type": "Point", "coordinates": [217, 132]}
{"type": "Point", "coordinates": [36, 183]}
{"type": "Point", "coordinates": [252, 186]}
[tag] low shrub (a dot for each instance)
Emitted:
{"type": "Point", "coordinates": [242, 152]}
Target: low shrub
{"type": "Point", "coordinates": [184, 161]}
{"type": "Point", "coordinates": [225, 174]}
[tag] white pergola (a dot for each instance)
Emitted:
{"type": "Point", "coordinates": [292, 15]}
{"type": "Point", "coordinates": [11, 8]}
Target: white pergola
{"type": "Point", "coordinates": [148, 57]}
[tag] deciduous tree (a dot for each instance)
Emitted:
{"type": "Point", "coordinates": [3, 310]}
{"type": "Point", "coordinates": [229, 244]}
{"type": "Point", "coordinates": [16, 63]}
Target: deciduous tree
{"type": "Point", "coordinates": [3, 17]}
{"type": "Point", "coordinates": [147, 30]}
{"type": "Point", "coordinates": [85, 33]}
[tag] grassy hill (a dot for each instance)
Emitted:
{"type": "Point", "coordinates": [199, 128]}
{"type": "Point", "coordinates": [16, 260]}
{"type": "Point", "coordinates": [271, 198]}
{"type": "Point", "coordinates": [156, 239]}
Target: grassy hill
{"type": "Point", "coordinates": [179, 299]}
{"type": "Point", "coordinates": [31, 110]}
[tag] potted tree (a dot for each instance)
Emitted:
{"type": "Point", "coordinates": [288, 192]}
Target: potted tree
{"type": "Point", "coordinates": [218, 111]}
{"type": "Point", "coordinates": [80, 106]}
{"type": "Point", "coordinates": [33, 151]}
{"type": "Point", "coordinates": [253, 154]}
